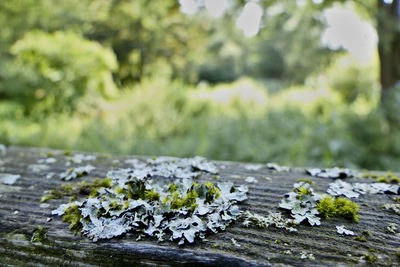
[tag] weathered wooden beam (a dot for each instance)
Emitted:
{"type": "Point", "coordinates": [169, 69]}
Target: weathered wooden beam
{"type": "Point", "coordinates": [21, 214]}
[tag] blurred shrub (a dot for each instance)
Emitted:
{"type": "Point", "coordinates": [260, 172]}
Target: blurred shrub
{"type": "Point", "coordinates": [352, 81]}
{"type": "Point", "coordinates": [53, 71]}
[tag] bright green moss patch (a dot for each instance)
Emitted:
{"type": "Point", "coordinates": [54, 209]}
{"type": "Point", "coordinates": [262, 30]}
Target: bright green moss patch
{"type": "Point", "coordinates": [382, 179]}
{"type": "Point", "coordinates": [389, 177]}
{"type": "Point", "coordinates": [338, 207]}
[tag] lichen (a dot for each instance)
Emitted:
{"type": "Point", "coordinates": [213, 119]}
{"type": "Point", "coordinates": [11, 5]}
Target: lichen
{"type": "Point", "coordinates": [272, 219]}
{"type": "Point", "coordinates": [302, 203]}
{"type": "Point", "coordinates": [73, 190]}
{"type": "Point", "coordinates": [144, 200]}
{"type": "Point", "coordinates": [340, 229]}
{"type": "Point", "coordinates": [73, 173]}
{"type": "Point", "coordinates": [339, 188]}
{"type": "Point", "coordinates": [330, 173]}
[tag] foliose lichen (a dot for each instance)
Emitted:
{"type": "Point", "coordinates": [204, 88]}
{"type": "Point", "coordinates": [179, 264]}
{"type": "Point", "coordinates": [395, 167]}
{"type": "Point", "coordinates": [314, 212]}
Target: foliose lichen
{"type": "Point", "coordinates": [158, 198]}
{"type": "Point", "coordinates": [330, 173]}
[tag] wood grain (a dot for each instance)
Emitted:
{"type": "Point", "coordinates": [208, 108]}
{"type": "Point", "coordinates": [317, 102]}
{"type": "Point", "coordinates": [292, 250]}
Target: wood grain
{"type": "Point", "coordinates": [21, 214]}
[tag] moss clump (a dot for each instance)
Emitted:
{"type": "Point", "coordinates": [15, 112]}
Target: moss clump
{"type": "Point", "coordinates": [338, 207]}
{"type": "Point", "coordinates": [366, 233]}
{"type": "Point", "coordinates": [40, 235]}
{"type": "Point", "coordinates": [394, 179]}
{"type": "Point", "coordinates": [388, 178]}
{"type": "Point", "coordinates": [370, 259]}
{"type": "Point", "coordinates": [305, 181]}
{"type": "Point", "coordinates": [73, 191]}
{"type": "Point", "coordinates": [382, 179]}
{"type": "Point", "coordinates": [63, 190]}
{"type": "Point", "coordinates": [151, 195]}
{"type": "Point", "coordinates": [73, 216]}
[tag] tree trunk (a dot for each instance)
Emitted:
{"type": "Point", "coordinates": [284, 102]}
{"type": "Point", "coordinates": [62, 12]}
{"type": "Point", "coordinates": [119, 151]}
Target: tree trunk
{"type": "Point", "coordinates": [388, 26]}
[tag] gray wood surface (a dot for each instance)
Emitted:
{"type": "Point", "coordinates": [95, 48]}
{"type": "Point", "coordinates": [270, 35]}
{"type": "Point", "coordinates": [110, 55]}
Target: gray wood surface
{"type": "Point", "coordinates": [21, 214]}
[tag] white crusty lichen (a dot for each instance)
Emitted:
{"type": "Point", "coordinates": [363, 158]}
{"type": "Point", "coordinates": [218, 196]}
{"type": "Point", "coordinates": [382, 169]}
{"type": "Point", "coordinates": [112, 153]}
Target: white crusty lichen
{"type": "Point", "coordinates": [253, 167]}
{"type": "Point", "coordinates": [277, 167]}
{"type": "Point", "coordinates": [302, 203]}
{"type": "Point", "coordinates": [251, 180]}
{"type": "Point", "coordinates": [340, 229]}
{"type": "Point", "coordinates": [79, 158]}
{"type": "Point", "coordinates": [339, 188]}
{"type": "Point", "coordinates": [73, 173]}
{"type": "Point", "coordinates": [392, 228]}
{"type": "Point", "coordinates": [158, 198]}
{"type": "Point", "coordinates": [392, 206]}
{"type": "Point", "coordinates": [9, 179]}
{"type": "Point", "coordinates": [330, 173]}
{"type": "Point", "coordinates": [304, 255]}
{"type": "Point", "coordinates": [271, 219]}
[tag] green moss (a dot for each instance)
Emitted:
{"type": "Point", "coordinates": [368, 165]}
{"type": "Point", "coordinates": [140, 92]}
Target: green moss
{"type": "Point", "coordinates": [360, 239]}
{"type": "Point", "coordinates": [338, 207]}
{"type": "Point", "coordinates": [213, 192]}
{"type": "Point", "coordinates": [366, 233]}
{"type": "Point", "coordinates": [370, 259]}
{"type": "Point", "coordinates": [305, 181]}
{"type": "Point", "coordinates": [394, 179]}
{"type": "Point", "coordinates": [73, 216]}
{"type": "Point", "coordinates": [396, 199]}
{"type": "Point", "coordinates": [151, 195]}
{"type": "Point", "coordinates": [326, 207]}
{"type": "Point", "coordinates": [40, 235]}
{"type": "Point", "coordinates": [382, 179]}
{"type": "Point", "coordinates": [73, 191]}
{"type": "Point", "coordinates": [67, 152]}
{"type": "Point", "coordinates": [398, 253]}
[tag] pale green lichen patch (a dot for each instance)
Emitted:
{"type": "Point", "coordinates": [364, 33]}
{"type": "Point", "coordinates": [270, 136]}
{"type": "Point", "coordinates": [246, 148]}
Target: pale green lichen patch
{"type": "Point", "coordinates": [302, 203]}
{"type": "Point", "coordinates": [341, 188]}
{"type": "Point", "coordinates": [306, 205]}
{"type": "Point", "coordinates": [145, 201]}
{"type": "Point", "coordinates": [341, 230]}
{"type": "Point", "coordinates": [9, 179]}
{"type": "Point", "coordinates": [330, 173]}
{"type": "Point", "coordinates": [73, 173]}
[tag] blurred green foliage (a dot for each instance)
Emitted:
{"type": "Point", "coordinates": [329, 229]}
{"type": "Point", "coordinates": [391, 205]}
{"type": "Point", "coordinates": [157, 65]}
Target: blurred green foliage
{"type": "Point", "coordinates": [140, 77]}
{"type": "Point", "coordinates": [52, 71]}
